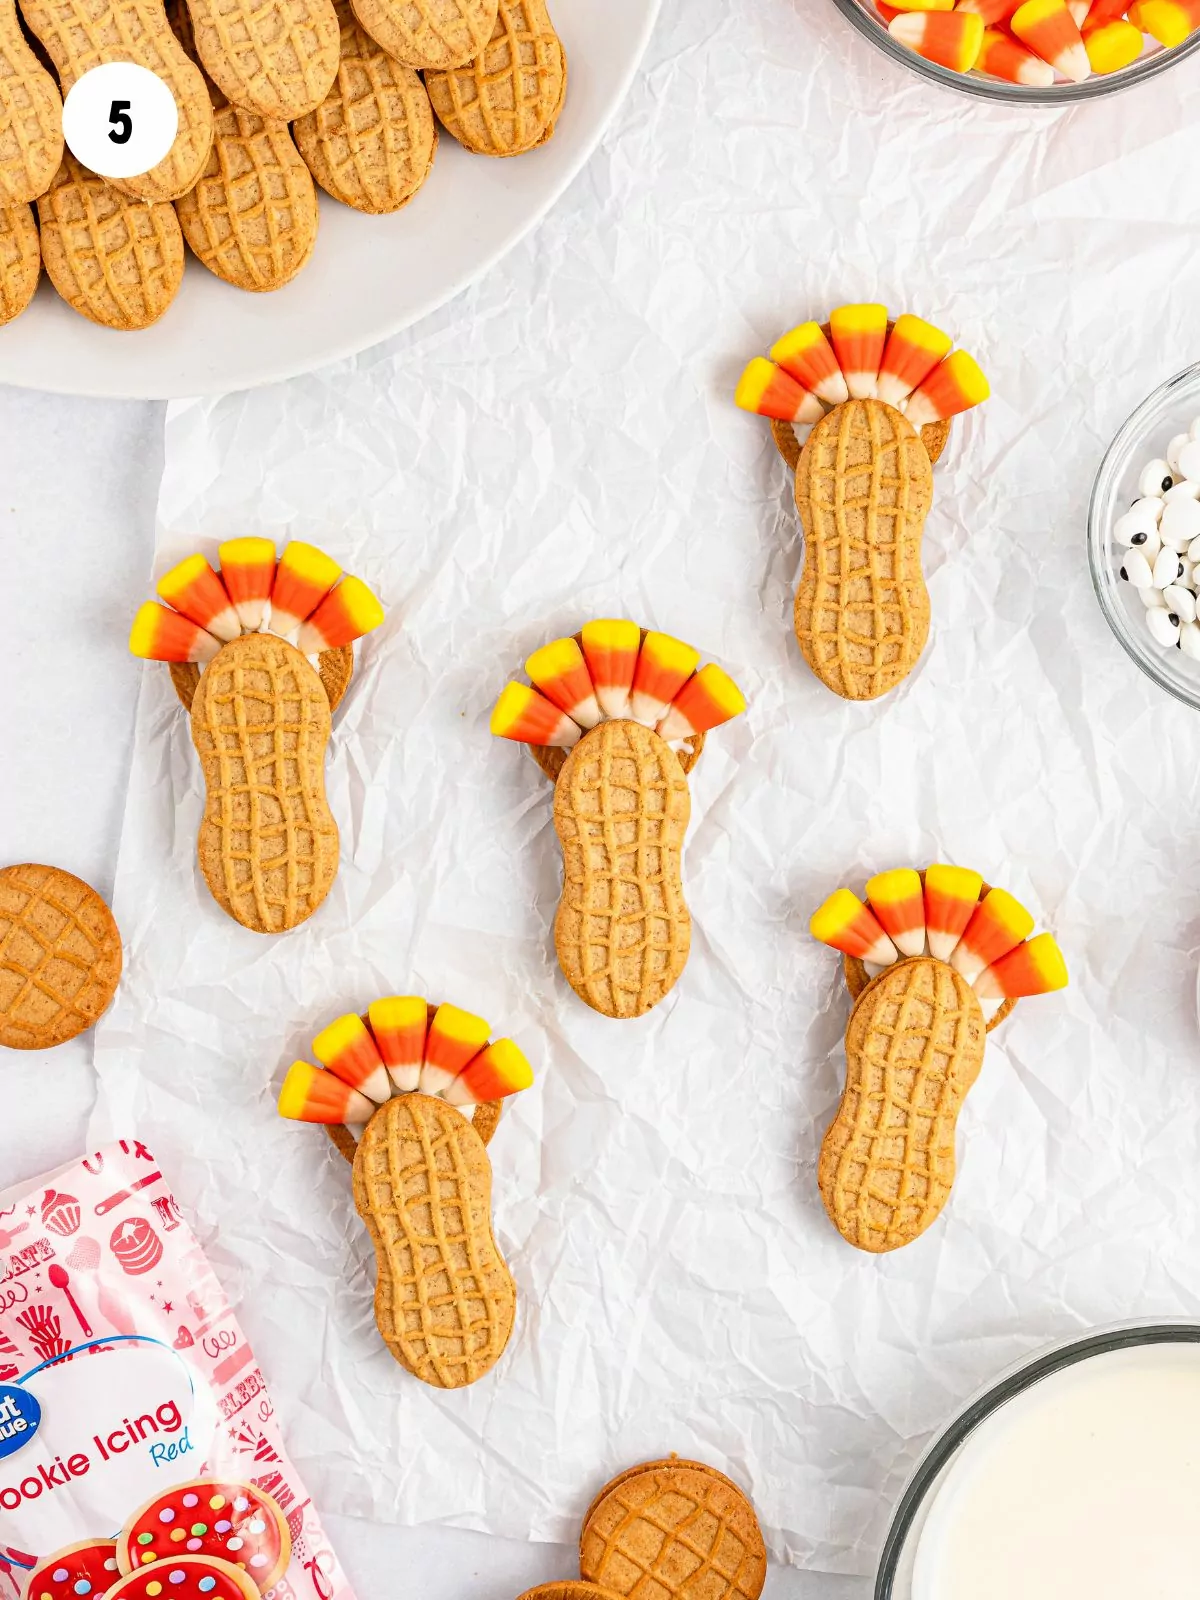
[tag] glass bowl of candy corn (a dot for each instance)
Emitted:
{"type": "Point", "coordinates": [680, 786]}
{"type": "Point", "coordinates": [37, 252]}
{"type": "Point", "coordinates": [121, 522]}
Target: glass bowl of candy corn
{"type": "Point", "coordinates": [1143, 527]}
{"type": "Point", "coordinates": [1034, 51]}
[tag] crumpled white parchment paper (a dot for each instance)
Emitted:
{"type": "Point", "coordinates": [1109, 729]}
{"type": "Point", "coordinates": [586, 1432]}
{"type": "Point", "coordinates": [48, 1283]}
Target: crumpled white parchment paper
{"type": "Point", "coordinates": [561, 443]}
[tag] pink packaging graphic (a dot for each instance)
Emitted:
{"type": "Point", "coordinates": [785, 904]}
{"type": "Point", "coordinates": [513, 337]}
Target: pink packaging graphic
{"type": "Point", "coordinates": [140, 1455]}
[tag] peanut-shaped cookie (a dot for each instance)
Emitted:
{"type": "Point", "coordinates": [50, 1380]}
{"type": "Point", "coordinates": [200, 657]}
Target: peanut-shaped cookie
{"type": "Point", "coordinates": [31, 139]}
{"type": "Point", "coordinates": [923, 958]}
{"type": "Point", "coordinates": [632, 710]}
{"type": "Point", "coordinates": [412, 1093]}
{"type": "Point", "coordinates": [878, 397]}
{"type": "Point", "coordinates": [508, 98]}
{"type": "Point", "coordinates": [238, 643]}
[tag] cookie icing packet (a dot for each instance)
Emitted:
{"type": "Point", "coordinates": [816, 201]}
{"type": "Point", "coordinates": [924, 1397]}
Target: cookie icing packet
{"type": "Point", "coordinates": [139, 1449]}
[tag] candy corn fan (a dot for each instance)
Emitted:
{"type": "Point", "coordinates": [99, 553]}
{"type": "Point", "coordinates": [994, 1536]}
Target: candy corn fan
{"type": "Point", "coordinates": [1052, 55]}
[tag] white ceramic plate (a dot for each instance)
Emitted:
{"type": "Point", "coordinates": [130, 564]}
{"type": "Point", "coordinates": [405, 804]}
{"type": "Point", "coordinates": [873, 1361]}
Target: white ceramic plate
{"type": "Point", "coordinates": [369, 276]}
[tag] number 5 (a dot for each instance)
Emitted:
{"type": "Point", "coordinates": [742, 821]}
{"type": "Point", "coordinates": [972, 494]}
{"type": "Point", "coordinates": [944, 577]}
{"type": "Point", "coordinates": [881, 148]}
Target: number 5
{"type": "Point", "coordinates": [122, 123]}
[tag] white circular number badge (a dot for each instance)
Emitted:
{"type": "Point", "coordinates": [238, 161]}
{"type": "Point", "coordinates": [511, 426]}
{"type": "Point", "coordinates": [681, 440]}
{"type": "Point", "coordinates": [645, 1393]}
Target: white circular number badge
{"type": "Point", "coordinates": [120, 120]}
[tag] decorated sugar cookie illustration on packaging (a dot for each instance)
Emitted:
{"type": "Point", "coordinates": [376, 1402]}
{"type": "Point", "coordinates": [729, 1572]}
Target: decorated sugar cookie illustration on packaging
{"type": "Point", "coordinates": [934, 961]}
{"type": "Point", "coordinates": [617, 718]}
{"type": "Point", "coordinates": [154, 1467]}
{"type": "Point", "coordinates": [411, 1094]}
{"type": "Point", "coordinates": [878, 397]}
{"type": "Point", "coordinates": [261, 654]}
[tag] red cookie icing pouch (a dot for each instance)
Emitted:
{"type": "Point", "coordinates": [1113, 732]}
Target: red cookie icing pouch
{"type": "Point", "coordinates": [140, 1455]}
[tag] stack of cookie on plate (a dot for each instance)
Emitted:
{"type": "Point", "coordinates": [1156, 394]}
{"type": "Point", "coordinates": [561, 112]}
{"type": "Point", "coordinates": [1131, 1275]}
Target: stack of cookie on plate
{"type": "Point", "coordinates": [346, 92]}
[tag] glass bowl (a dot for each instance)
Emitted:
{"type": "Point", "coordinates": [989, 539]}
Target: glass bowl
{"type": "Point", "coordinates": [1153, 60]}
{"type": "Point", "coordinates": [1168, 411]}
{"type": "Point", "coordinates": [893, 1581]}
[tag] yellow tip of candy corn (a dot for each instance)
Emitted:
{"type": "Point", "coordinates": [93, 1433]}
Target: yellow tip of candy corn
{"type": "Point", "coordinates": [181, 577]}
{"type": "Point", "coordinates": [851, 320]}
{"type": "Point", "coordinates": [495, 1073]}
{"type": "Point", "coordinates": [337, 1038]}
{"type": "Point", "coordinates": [843, 922]}
{"type": "Point", "coordinates": [706, 701]}
{"type": "Point", "coordinates": [293, 1097]}
{"type": "Point", "coordinates": [1036, 967]}
{"type": "Point", "coordinates": [345, 614]}
{"type": "Point", "coordinates": [1112, 45]}
{"type": "Point", "coordinates": [554, 660]}
{"type": "Point", "coordinates": [161, 635]}
{"type": "Point", "coordinates": [461, 1029]}
{"type": "Point", "coordinates": [753, 384]}
{"type": "Point", "coordinates": [1167, 21]}
{"type": "Point", "coordinates": [246, 552]}
{"type": "Point", "coordinates": [398, 1013]}
{"type": "Point", "coordinates": [614, 634]}
{"type": "Point", "coordinates": [310, 565]}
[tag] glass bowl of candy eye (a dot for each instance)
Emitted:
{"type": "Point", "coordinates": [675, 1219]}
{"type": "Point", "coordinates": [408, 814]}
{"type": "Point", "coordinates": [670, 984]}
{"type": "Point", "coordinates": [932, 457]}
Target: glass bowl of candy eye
{"type": "Point", "coordinates": [1144, 536]}
{"type": "Point", "coordinates": [974, 46]}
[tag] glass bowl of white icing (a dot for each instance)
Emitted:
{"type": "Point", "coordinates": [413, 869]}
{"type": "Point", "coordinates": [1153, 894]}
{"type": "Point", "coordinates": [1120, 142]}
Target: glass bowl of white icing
{"type": "Point", "coordinates": [1074, 1476]}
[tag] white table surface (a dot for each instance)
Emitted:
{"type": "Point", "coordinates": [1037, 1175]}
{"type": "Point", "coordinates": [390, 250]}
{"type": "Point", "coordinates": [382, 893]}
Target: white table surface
{"type": "Point", "coordinates": [78, 484]}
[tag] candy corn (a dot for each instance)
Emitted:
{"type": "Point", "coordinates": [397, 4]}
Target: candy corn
{"type": "Point", "coordinates": [1035, 967]}
{"type": "Point", "coordinates": [455, 1037]}
{"type": "Point", "coordinates": [704, 702]}
{"type": "Point", "coordinates": [768, 391]}
{"type": "Point", "coordinates": [991, 11]}
{"type": "Point", "coordinates": [310, 1095]}
{"type": "Point", "coordinates": [495, 1073]}
{"type": "Point", "coordinates": [845, 923]}
{"type": "Point", "coordinates": [952, 39]}
{"type": "Point", "coordinates": [954, 386]}
{"type": "Point", "coordinates": [1003, 57]}
{"type": "Point", "coordinates": [859, 332]}
{"type": "Point", "coordinates": [303, 578]}
{"type": "Point", "coordinates": [248, 573]}
{"type": "Point", "coordinates": [1052, 33]}
{"type": "Point", "coordinates": [1105, 10]}
{"type": "Point", "coordinates": [913, 349]}
{"type": "Point", "coordinates": [807, 355]}
{"type": "Point", "coordinates": [998, 925]}
{"type": "Point", "coordinates": [922, 5]}
{"type": "Point", "coordinates": [161, 635]}
{"type": "Point", "coordinates": [196, 592]}
{"type": "Point", "coordinates": [951, 896]}
{"type": "Point", "coordinates": [664, 665]}
{"type": "Point", "coordinates": [1111, 45]}
{"type": "Point", "coordinates": [345, 614]}
{"type": "Point", "coordinates": [898, 902]}
{"type": "Point", "coordinates": [1079, 10]}
{"type": "Point", "coordinates": [560, 672]}
{"type": "Point", "coordinates": [611, 649]}
{"type": "Point", "coordinates": [347, 1049]}
{"type": "Point", "coordinates": [399, 1024]}
{"type": "Point", "coordinates": [1169, 21]}
{"type": "Point", "coordinates": [521, 713]}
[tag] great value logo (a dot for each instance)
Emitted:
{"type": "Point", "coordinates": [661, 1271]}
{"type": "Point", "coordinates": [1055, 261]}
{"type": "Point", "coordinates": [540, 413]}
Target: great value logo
{"type": "Point", "coordinates": [20, 1418]}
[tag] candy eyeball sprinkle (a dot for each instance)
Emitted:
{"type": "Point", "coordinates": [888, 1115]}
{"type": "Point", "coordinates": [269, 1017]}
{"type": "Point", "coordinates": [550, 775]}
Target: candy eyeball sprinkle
{"type": "Point", "coordinates": [1135, 569]}
{"type": "Point", "coordinates": [1163, 629]}
{"type": "Point", "coordinates": [1189, 639]}
{"type": "Point", "coordinates": [1189, 460]}
{"type": "Point", "coordinates": [1156, 478]}
{"type": "Point", "coordinates": [1181, 602]}
{"type": "Point", "coordinates": [1176, 445]}
{"type": "Point", "coordinates": [1151, 598]}
{"type": "Point", "coordinates": [1167, 567]}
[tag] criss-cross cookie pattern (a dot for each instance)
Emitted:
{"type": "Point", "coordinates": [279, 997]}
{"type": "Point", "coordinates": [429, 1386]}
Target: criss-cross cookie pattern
{"type": "Point", "coordinates": [371, 142]}
{"type": "Point", "coordinates": [909, 1066]}
{"type": "Point", "coordinates": [81, 34]}
{"type": "Point", "coordinates": [430, 34]}
{"type": "Point", "coordinates": [20, 260]}
{"type": "Point", "coordinates": [445, 1302]}
{"type": "Point", "coordinates": [260, 722]}
{"type": "Point", "coordinates": [252, 217]}
{"type": "Point", "coordinates": [621, 809]}
{"type": "Point", "coordinates": [60, 956]}
{"type": "Point", "coordinates": [116, 261]}
{"type": "Point", "coordinates": [30, 116]}
{"type": "Point", "coordinates": [863, 489]}
{"type": "Point", "coordinates": [681, 1533]}
{"type": "Point", "coordinates": [503, 102]}
{"type": "Point", "coordinates": [276, 57]}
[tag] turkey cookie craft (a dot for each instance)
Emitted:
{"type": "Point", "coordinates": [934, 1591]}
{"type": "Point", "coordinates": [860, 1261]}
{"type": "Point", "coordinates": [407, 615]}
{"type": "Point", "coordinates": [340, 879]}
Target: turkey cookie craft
{"type": "Point", "coordinates": [411, 1093]}
{"type": "Point", "coordinates": [879, 397]}
{"type": "Point", "coordinates": [241, 645]}
{"type": "Point", "coordinates": [923, 959]}
{"type": "Point", "coordinates": [616, 719]}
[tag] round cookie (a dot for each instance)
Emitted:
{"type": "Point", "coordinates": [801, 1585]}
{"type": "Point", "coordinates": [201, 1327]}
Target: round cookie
{"type": "Point", "coordinates": [89, 1569]}
{"type": "Point", "coordinates": [569, 1589]}
{"type": "Point", "coordinates": [233, 1522]}
{"type": "Point", "coordinates": [335, 667]}
{"type": "Point", "coordinates": [60, 956]}
{"type": "Point", "coordinates": [676, 1528]}
{"type": "Point", "coordinates": [186, 1578]}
